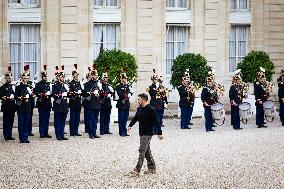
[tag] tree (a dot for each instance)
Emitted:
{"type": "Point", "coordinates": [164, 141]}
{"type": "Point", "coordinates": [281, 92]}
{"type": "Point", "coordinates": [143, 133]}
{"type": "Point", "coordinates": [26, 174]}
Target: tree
{"type": "Point", "coordinates": [113, 61]}
{"type": "Point", "coordinates": [251, 64]}
{"type": "Point", "coordinates": [196, 64]}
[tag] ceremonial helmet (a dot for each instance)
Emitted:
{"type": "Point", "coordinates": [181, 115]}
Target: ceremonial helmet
{"type": "Point", "coordinates": [75, 71]}
{"type": "Point", "coordinates": [56, 71]}
{"type": "Point", "coordinates": [61, 73]}
{"type": "Point", "coordinates": [261, 72]}
{"type": "Point", "coordinates": [8, 74]}
{"type": "Point", "coordinates": [123, 73]}
{"type": "Point", "coordinates": [94, 70]}
{"type": "Point", "coordinates": [44, 72]}
{"type": "Point", "coordinates": [186, 76]}
{"type": "Point", "coordinates": [154, 76]}
{"type": "Point", "coordinates": [26, 73]}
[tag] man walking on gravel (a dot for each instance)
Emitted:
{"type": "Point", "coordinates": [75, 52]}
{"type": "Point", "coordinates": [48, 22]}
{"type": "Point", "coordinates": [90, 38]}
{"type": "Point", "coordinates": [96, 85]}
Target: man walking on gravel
{"type": "Point", "coordinates": [146, 116]}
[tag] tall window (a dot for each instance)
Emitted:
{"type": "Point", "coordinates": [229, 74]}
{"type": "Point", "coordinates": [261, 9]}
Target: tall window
{"type": "Point", "coordinates": [105, 37]}
{"type": "Point", "coordinates": [176, 44]}
{"type": "Point", "coordinates": [239, 4]}
{"type": "Point", "coordinates": [25, 2]}
{"type": "Point", "coordinates": [177, 3]}
{"type": "Point", "coordinates": [105, 3]}
{"type": "Point", "coordinates": [239, 36]}
{"type": "Point", "coordinates": [24, 48]}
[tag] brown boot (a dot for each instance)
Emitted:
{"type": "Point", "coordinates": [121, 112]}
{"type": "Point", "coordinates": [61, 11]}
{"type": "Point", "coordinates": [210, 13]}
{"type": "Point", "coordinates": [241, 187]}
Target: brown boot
{"type": "Point", "coordinates": [134, 173]}
{"type": "Point", "coordinates": [150, 171]}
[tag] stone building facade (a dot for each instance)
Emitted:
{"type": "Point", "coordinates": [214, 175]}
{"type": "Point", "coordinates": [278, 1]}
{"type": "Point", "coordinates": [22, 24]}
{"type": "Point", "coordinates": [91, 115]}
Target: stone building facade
{"type": "Point", "coordinates": [67, 32]}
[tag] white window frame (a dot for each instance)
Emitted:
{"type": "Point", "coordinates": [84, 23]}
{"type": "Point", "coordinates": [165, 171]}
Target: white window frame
{"type": "Point", "coordinates": [178, 8]}
{"type": "Point", "coordinates": [22, 43]}
{"type": "Point", "coordinates": [117, 40]}
{"type": "Point", "coordinates": [237, 57]}
{"type": "Point", "coordinates": [176, 43]}
{"type": "Point", "coordinates": [238, 6]}
{"type": "Point", "coordinates": [23, 4]}
{"type": "Point", "coordinates": [105, 5]}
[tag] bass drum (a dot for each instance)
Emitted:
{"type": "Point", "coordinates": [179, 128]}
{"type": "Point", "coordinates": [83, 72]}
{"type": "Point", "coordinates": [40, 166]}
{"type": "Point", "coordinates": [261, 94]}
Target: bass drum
{"type": "Point", "coordinates": [218, 113]}
{"type": "Point", "coordinates": [245, 112]}
{"type": "Point", "coordinates": [269, 110]}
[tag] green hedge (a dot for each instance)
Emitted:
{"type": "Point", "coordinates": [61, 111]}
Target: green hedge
{"type": "Point", "coordinates": [115, 60]}
{"type": "Point", "coordinates": [196, 64]}
{"type": "Point", "coordinates": [251, 63]}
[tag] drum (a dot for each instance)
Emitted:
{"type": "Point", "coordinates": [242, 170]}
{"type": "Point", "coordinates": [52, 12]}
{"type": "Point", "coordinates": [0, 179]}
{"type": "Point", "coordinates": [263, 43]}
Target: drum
{"type": "Point", "coordinates": [269, 110]}
{"type": "Point", "coordinates": [218, 113]}
{"type": "Point", "coordinates": [245, 112]}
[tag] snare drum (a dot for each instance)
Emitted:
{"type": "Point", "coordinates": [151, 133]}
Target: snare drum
{"type": "Point", "coordinates": [245, 111]}
{"type": "Point", "coordinates": [269, 110]}
{"type": "Point", "coordinates": [218, 112]}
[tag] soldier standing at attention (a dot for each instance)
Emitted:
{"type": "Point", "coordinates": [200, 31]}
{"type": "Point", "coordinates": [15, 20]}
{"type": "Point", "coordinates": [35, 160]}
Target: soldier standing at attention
{"type": "Point", "coordinates": [92, 102]}
{"type": "Point", "coordinates": [157, 98]}
{"type": "Point", "coordinates": [60, 105]}
{"type": "Point", "coordinates": [24, 107]}
{"type": "Point", "coordinates": [235, 99]}
{"type": "Point", "coordinates": [75, 92]}
{"type": "Point", "coordinates": [106, 94]}
{"type": "Point", "coordinates": [260, 97]}
{"type": "Point", "coordinates": [280, 81]}
{"type": "Point", "coordinates": [209, 96]}
{"type": "Point", "coordinates": [186, 101]}
{"type": "Point", "coordinates": [88, 78]}
{"type": "Point", "coordinates": [8, 106]}
{"type": "Point", "coordinates": [124, 92]}
{"type": "Point", "coordinates": [43, 92]}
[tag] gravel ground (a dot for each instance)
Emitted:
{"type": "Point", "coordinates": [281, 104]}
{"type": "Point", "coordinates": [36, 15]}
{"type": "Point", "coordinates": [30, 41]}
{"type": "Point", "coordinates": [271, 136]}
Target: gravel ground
{"type": "Point", "coordinates": [249, 158]}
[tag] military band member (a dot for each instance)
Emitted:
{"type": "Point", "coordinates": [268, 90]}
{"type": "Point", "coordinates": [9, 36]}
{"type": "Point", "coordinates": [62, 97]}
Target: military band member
{"type": "Point", "coordinates": [8, 106]}
{"type": "Point", "coordinates": [261, 97]}
{"type": "Point", "coordinates": [60, 105]}
{"type": "Point", "coordinates": [24, 107]}
{"type": "Point", "coordinates": [92, 102]}
{"type": "Point", "coordinates": [280, 81]}
{"type": "Point", "coordinates": [157, 99]}
{"type": "Point", "coordinates": [165, 100]}
{"type": "Point", "coordinates": [106, 94]}
{"type": "Point", "coordinates": [186, 101]}
{"type": "Point", "coordinates": [124, 92]}
{"type": "Point", "coordinates": [43, 104]}
{"type": "Point", "coordinates": [235, 95]}
{"type": "Point", "coordinates": [209, 96]}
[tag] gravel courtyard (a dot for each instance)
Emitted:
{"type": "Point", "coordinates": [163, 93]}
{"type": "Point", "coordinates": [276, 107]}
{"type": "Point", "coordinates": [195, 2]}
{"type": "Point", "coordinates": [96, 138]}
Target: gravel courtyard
{"type": "Point", "coordinates": [248, 158]}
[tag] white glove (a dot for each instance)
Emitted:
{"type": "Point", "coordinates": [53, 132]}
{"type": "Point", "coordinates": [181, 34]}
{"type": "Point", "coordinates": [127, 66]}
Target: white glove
{"type": "Point", "coordinates": [11, 96]}
{"type": "Point", "coordinates": [48, 93]}
{"type": "Point", "coordinates": [50, 86]}
{"type": "Point", "coordinates": [27, 96]}
{"type": "Point", "coordinates": [66, 87]}
{"type": "Point", "coordinates": [131, 90]}
{"type": "Point", "coordinates": [82, 85]}
{"type": "Point", "coordinates": [96, 92]}
{"type": "Point", "coordinates": [79, 92]}
{"type": "Point", "coordinates": [29, 90]}
{"type": "Point", "coordinates": [165, 106]}
{"type": "Point", "coordinates": [110, 88]}
{"type": "Point", "coordinates": [13, 88]}
{"type": "Point", "coordinates": [109, 95]}
{"type": "Point", "coordinates": [157, 85]}
{"type": "Point", "coordinates": [64, 94]}
{"type": "Point", "coordinates": [100, 85]}
{"type": "Point", "coordinates": [129, 95]}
